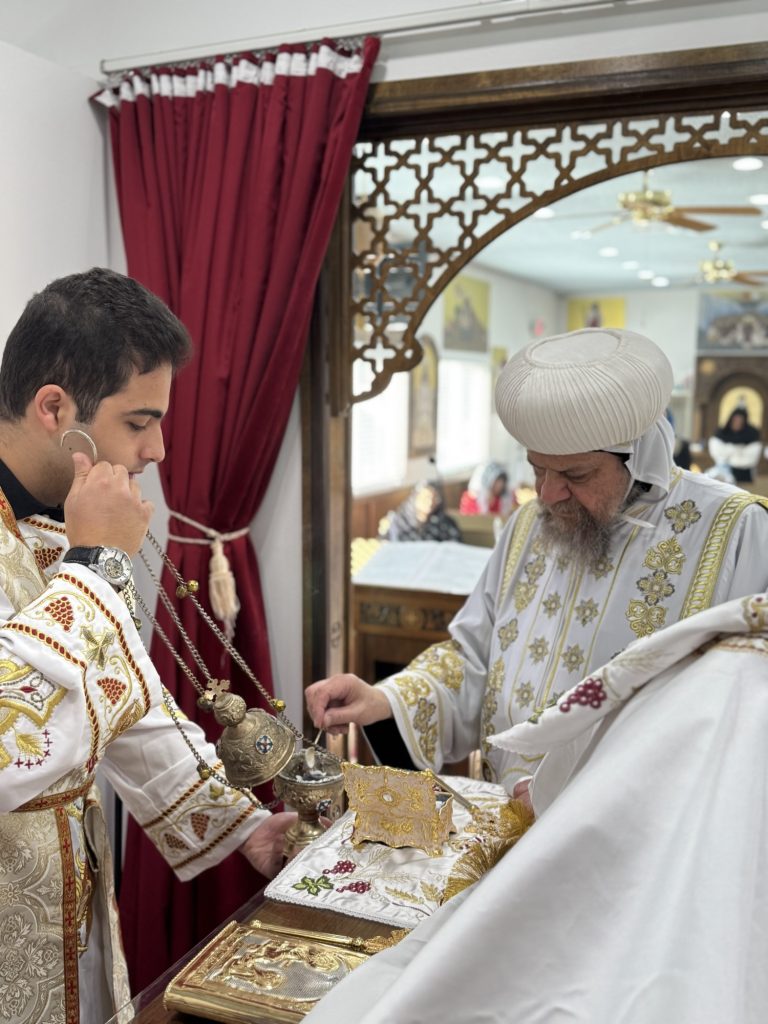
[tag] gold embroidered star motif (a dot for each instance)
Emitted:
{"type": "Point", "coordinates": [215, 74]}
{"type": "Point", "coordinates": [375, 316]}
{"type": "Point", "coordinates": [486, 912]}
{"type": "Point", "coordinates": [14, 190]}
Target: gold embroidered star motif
{"type": "Point", "coordinates": [645, 618]}
{"type": "Point", "coordinates": [683, 515]}
{"type": "Point", "coordinates": [97, 645]}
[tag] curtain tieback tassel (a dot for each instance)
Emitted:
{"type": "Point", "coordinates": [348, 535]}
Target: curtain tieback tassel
{"type": "Point", "coordinates": [222, 587]}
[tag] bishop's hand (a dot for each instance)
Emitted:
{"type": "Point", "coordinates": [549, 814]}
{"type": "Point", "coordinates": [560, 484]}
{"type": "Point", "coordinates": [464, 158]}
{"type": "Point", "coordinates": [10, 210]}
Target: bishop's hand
{"type": "Point", "coordinates": [263, 848]}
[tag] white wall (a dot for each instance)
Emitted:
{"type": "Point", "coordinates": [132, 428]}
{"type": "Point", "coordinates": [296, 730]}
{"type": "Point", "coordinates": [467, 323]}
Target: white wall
{"type": "Point", "coordinates": [53, 218]}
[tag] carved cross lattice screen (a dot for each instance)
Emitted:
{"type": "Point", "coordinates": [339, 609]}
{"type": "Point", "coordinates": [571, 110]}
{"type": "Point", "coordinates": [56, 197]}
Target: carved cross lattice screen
{"type": "Point", "coordinates": [421, 209]}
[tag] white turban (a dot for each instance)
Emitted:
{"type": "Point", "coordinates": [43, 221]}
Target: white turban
{"type": "Point", "coordinates": [586, 391]}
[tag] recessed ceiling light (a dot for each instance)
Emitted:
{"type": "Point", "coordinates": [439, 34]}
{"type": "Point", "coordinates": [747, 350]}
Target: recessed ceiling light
{"type": "Point", "coordinates": [747, 163]}
{"type": "Point", "coordinates": [630, 265]}
{"type": "Point", "coordinates": [646, 275]}
{"type": "Point", "coordinates": [660, 282]}
{"type": "Point", "coordinates": [581, 233]}
{"type": "Point", "coordinates": [544, 213]}
{"type": "Point", "coordinates": [764, 225]}
{"type": "Point", "coordinates": [760, 199]}
{"type": "Point", "coordinates": [608, 251]}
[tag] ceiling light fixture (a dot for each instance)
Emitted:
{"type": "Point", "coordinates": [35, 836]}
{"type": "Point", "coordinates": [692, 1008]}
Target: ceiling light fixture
{"type": "Point", "coordinates": [647, 275]}
{"type": "Point", "coordinates": [660, 282]}
{"type": "Point", "coordinates": [609, 251]}
{"type": "Point", "coordinates": [747, 163]}
{"type": "Point", "coordinates": [489, 181]}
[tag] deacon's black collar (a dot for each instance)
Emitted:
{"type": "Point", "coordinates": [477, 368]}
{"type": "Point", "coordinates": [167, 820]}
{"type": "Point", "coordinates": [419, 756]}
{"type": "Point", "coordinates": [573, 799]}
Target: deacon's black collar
{"type": "Point", "coordinates": [21, 501]}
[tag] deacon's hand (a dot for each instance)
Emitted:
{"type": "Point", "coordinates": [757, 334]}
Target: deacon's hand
{"type": "Point", "coordinates": [263, 848]}
{"type": "Point", "coordinates": [522, 792]}
{"type": "Point", "coordinates": [104, 507]}
{"type": "Point", "coordinates": [335, 702]}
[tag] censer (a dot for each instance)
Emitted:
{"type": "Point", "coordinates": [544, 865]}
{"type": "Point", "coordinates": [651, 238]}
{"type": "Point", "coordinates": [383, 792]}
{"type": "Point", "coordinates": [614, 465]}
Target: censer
{"type": "Point", "coordinates": [255, 746]}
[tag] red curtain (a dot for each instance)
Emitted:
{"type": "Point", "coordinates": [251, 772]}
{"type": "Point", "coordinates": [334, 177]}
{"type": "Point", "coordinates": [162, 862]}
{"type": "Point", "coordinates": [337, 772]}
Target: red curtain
{"type": "Point", "coordinates": [229, 177]}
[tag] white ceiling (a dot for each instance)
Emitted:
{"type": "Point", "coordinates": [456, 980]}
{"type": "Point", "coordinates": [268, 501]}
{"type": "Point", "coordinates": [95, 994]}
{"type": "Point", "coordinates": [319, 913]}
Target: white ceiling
{"type": "Point", "coordinates": [546, 251]}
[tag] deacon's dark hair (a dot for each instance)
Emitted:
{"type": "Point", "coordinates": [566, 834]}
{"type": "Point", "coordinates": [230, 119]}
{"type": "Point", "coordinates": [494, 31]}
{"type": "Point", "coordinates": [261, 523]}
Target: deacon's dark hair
{"type": "Point", "coordinates": [88, 333]}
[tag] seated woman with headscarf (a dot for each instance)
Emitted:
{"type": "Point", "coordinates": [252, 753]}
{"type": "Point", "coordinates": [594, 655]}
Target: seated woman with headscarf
{"type": "Point", "coordinates": [421, 516]}
{"type": "Point", "coordinates": [737, 445]}
{"type": "Point", "coordinates": [487, 492]}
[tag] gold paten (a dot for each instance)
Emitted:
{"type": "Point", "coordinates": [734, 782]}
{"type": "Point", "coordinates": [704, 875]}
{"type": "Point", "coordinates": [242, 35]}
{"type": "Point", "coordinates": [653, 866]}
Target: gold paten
{"type": "Point", "coordinates": [398, 807]}
{"type": "Point", "coordinates": [258, 974]}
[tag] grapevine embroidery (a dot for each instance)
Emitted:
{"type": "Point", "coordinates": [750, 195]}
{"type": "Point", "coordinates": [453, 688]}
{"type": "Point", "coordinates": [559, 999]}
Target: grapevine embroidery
{"type": "Point", "coordinates": [590, 693]}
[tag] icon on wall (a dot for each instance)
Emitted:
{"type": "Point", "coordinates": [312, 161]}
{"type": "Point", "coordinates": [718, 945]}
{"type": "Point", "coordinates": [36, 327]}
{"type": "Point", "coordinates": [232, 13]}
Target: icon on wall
{"type": "Point", "coordinates": [597, 312]}
{"type": "Point", "coordinates": [466, 304]}
{"type": "Point", "coordinates": [422, 421]}
{"type": "Point", "coordinates": [734, 323]}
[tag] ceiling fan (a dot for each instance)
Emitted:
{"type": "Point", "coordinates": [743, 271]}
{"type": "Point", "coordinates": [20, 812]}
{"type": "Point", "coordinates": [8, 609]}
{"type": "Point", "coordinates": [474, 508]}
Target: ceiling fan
{"type": "Point", "coordinates": [651, 206]}
{"type": "Point", "coordinates": [717, 269]}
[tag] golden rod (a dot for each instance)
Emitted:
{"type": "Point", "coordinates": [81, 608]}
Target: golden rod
{"type": "Point", "coordinates": [372, 945]}
{"type": "Point", "coordinates": [458, 797]}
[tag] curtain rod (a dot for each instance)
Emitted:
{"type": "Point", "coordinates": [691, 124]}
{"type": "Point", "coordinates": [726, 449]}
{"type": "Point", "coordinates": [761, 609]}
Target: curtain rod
{"type": "Point", "coordinates": [382, 27]}
{"type": "Point", "coordinates": [434, 20]}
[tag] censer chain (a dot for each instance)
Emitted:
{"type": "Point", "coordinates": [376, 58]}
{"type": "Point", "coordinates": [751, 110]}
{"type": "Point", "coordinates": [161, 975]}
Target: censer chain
{"type": "Point", "coordinates": [218, 633]}
{"type": "Point", "coordinates": [204, 770]}
{"type": "Point", "coordinates": [207, 694]}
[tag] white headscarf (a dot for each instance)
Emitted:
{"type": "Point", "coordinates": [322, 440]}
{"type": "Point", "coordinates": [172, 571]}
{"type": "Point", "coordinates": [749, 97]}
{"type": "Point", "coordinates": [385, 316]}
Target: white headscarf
{"type": "Point", "coordinates": [650, 461]}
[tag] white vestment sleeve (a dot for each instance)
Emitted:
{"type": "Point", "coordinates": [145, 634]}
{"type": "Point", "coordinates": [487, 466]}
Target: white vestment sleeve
{"type": "Point", "coordinates": [744, 569]}
{"type": "Point", "coordinates": [193, 822]}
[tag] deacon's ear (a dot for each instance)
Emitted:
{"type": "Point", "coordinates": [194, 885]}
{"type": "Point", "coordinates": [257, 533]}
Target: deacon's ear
{"type": "Point", "coordinates": [52, 408]}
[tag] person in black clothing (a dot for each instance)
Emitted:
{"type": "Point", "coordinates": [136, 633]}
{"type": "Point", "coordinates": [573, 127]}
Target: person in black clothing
{"type": "Point", "coordinates": [737, 445]}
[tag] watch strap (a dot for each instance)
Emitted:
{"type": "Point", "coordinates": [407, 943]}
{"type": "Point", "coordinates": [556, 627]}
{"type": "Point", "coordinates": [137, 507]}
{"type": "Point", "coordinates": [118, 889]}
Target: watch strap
{"type": "Point", "coordinates": [81, 555]}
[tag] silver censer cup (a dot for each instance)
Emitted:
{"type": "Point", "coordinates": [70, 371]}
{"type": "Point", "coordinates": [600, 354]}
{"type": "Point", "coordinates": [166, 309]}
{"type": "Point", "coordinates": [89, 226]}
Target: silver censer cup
{"type": "Point", "coordinates": [314, 787]}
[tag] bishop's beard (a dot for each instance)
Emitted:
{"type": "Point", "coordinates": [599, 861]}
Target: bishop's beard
{"type": "Point", "coordinates": [578, 534]}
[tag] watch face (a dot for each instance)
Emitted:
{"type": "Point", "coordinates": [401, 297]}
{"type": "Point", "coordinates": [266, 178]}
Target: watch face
{"type": "Point", "coordinates": [115, 566]}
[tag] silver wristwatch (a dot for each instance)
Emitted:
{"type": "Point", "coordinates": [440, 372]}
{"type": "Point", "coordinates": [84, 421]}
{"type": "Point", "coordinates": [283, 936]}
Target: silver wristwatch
{"type": "Point", "coordinates": [112, 564]}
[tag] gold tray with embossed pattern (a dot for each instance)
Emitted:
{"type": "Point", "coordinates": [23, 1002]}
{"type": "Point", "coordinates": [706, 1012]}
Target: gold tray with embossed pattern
{"type": "Point", "coordinates": [260, 973]}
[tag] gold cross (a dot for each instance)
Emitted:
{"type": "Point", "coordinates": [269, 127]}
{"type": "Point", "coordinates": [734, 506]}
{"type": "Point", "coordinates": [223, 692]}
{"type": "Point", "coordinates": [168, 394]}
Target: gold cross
{"type": "Point", "coordinates": [97, 645]}
{"type": "Point", "coordinates": [217, 686]}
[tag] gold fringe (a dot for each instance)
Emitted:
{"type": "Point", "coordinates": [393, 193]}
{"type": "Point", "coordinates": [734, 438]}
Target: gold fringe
{"type": "Point", "coordinates": [498, 836]}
